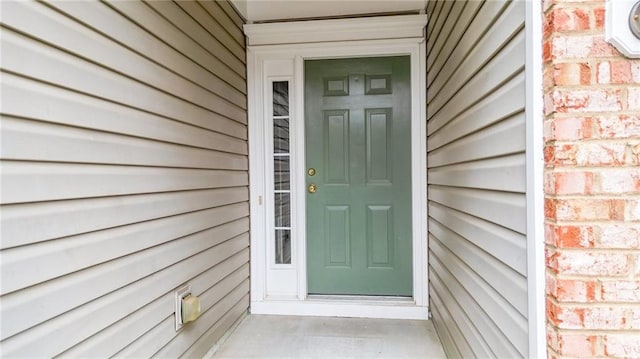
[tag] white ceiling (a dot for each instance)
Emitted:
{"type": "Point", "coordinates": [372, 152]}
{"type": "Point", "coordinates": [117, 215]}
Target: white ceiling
{"type": "Point", "coordinates": [268, 10]}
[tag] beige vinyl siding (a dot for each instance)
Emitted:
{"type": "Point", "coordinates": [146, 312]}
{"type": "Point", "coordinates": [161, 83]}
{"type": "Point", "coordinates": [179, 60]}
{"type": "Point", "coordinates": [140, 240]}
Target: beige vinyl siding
{"type": "Point", "coordinates": [476, 177]}
{"type": "Point", "coordinates": [124, 176]}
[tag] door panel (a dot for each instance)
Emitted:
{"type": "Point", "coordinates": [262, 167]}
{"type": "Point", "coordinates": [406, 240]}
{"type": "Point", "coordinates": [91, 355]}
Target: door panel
{"type": "Point", "coordinates": [378, 153]}
{"type": "Point", "coordinates": [337, 146]}
{"type": "Point", "coordinates": [357, 124]}
{"type": "Point", "coordinates": [337, 225]}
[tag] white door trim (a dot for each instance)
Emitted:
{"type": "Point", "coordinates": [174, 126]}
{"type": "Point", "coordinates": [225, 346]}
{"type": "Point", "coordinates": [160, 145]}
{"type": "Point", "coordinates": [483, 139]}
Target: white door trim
{"type": "Point", "coordinates": [333, 30]}
{"type": "Point", "coordinates": [286, 62]}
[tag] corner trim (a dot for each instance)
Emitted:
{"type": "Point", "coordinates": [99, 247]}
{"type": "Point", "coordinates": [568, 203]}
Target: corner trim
{"type": "Point", "coordinates": [535, 181]}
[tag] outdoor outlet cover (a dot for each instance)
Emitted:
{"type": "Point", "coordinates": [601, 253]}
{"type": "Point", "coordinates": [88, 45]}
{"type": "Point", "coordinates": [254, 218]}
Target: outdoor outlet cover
{"type": "Point", "coordinates": [179, 295]}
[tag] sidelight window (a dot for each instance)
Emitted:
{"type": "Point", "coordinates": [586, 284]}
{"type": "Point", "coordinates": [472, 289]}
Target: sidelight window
{"type": "Point", "coordinates": [281, 171]}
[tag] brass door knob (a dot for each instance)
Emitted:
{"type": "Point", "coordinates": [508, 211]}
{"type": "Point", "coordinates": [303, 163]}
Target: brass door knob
{"type": "Point", "coordinates": [313, 188]}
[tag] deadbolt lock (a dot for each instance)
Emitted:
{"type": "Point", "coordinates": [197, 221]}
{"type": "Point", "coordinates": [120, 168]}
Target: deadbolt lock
{"type": "Point", "coordinates": [311, 171]}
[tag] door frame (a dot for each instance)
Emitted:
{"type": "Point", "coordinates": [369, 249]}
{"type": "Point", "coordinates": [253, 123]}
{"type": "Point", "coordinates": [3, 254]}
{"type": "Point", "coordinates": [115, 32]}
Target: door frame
{"type": "Point", "coordinates": [276, 52]}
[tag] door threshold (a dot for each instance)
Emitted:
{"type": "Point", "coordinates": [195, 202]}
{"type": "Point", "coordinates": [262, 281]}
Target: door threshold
{"type": "Point", "coordinates": [339, 307]}
{"type": "Point", "coordinates": [360, 298]}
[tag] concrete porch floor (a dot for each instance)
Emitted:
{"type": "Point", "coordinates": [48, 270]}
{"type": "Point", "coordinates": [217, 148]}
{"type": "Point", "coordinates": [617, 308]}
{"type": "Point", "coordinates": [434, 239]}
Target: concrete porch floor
{"type": "Point", "coordinates": [265, 336]}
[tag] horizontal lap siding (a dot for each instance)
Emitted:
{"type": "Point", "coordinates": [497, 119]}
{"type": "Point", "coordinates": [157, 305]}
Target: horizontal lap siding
{"type": "Point", "coordinates": [124, 176]}
{"type": "Point", "coordinates": [476, 160]}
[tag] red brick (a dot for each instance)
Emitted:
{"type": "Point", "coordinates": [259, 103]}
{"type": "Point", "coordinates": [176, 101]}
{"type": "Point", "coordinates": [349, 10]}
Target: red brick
{"type": "Point", "coordinates": [548, 103]}
{"type": "Point", "coordinates": [586, 100]}
{"type": "Point", "coordinates": [570, 128]}
{"type": "Point", "coordinates": [621, 291]}
{"type": "Point", "coordinates": [549, 182]}
{"type": "Point", "coordinates": [602, 48]}
{"type": "Point", "coordinates": [589, 209]}
{"type": "Point", "coordinates": [547, 78]}
{"type": "Point", "coordinates": [548, 24]}
{"type": "Point", "coordinates": [622, 345]}
{"type": "Point", "coordinates": [612, 318]}
{"type": "Point", "coordinates": [549, 154]}
{"type": "Point", "coordinates": [592, 181]}
{"type": "Point", "coordinates": [618, 181]}
{"type": "Point", "coordinates": [569, 19]}
{"type": "Point", "coordinates": [565, 317]}
{"type": "Point", "coordinates": [599, 16]}
{"type": "Point", "coordinates": [618, 126]}
{"type": "Point", "coordinates": [592, 263]}
{"type": "Point", "coordinates": [594, 317]}
{"type": "Point", "coordinates": [572, 74]}
{"type": "Point", "coordinates": [560, 154]}
{"type": "Point", "coordinates": [550, 208]}
{"type": "Point", "coordinates": [553, 340]}
{"type": "Point", "coordinates": [614, 72]}
{"type": "Point", "coordinates": [548, 130]}
{"type": "Point", "coordinates": [624, 235]}
{"type": "Point", "coordinates": [549, 234]}
{"type": "Point", "coordinates": [578, 345]}
{"type": "Point", "coordinates": [601, 154]}
{"type": "Point", "coordinates": [570, 290]}
{"type": "Point", "coordinates": [580, 47]}
{"type": "Point", "coordinates": [571, 343]}
{"type": "Point", "coordinates": [547, 51]}
{"type": "Point", "coordinates": [621, 72]}
{"type": "Point", "coordinates": [572, 236]}
{"type": "Point", "coordinates": [573, 182]}
{"type": "Point", "coordinates": [615, 181]}
{"type": "Point", "coordinates": [619, 210]}
{"type": "Point", "coordinates": [632, 210]}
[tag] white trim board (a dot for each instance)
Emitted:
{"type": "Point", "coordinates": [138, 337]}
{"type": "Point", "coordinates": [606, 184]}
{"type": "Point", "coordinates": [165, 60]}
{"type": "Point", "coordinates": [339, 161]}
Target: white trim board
{"type": "Point", "coordinates": [341, 309]}
{"type": "Point", "coordinates": [535, 182]}
{"type": "Point", "coordinates": [282, 289]}
{"type": "Point", "coordinates": [368, 28]}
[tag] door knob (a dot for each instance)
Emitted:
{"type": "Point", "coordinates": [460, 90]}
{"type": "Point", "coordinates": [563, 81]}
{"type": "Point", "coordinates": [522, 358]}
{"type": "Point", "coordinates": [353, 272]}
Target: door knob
{"type": "Point", "coordinates": [313, 188]}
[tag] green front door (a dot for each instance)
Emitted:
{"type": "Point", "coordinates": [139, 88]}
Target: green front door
{"type": "Point", "coordinates": [358, 141]}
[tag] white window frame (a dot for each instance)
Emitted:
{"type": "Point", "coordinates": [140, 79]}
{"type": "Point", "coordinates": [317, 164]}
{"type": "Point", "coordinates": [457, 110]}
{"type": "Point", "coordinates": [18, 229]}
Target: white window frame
{"type": "Point", "coordinates": [277, 51]}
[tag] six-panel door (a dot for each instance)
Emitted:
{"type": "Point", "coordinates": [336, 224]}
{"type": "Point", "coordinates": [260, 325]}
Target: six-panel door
{"type": "Point", "coordinates": [358, 143]}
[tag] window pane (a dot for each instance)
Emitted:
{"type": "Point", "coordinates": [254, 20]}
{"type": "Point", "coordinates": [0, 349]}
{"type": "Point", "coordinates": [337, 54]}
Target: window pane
{"type": "Point", "coordinates": [281, 98]}
{"type": "Point", "coordinates": [283, 246]}
{"type": "Point", "coordinates": [281, 173]}
{"type": "Point", "coordinates": [282, 210]}
{"type": "Point", "coordinates": [281, 135]}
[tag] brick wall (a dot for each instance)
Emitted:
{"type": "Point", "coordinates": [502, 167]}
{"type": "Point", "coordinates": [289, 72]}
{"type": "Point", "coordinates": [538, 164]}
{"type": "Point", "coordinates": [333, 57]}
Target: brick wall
{"type": "Point", "coordinates": [592, 186]}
